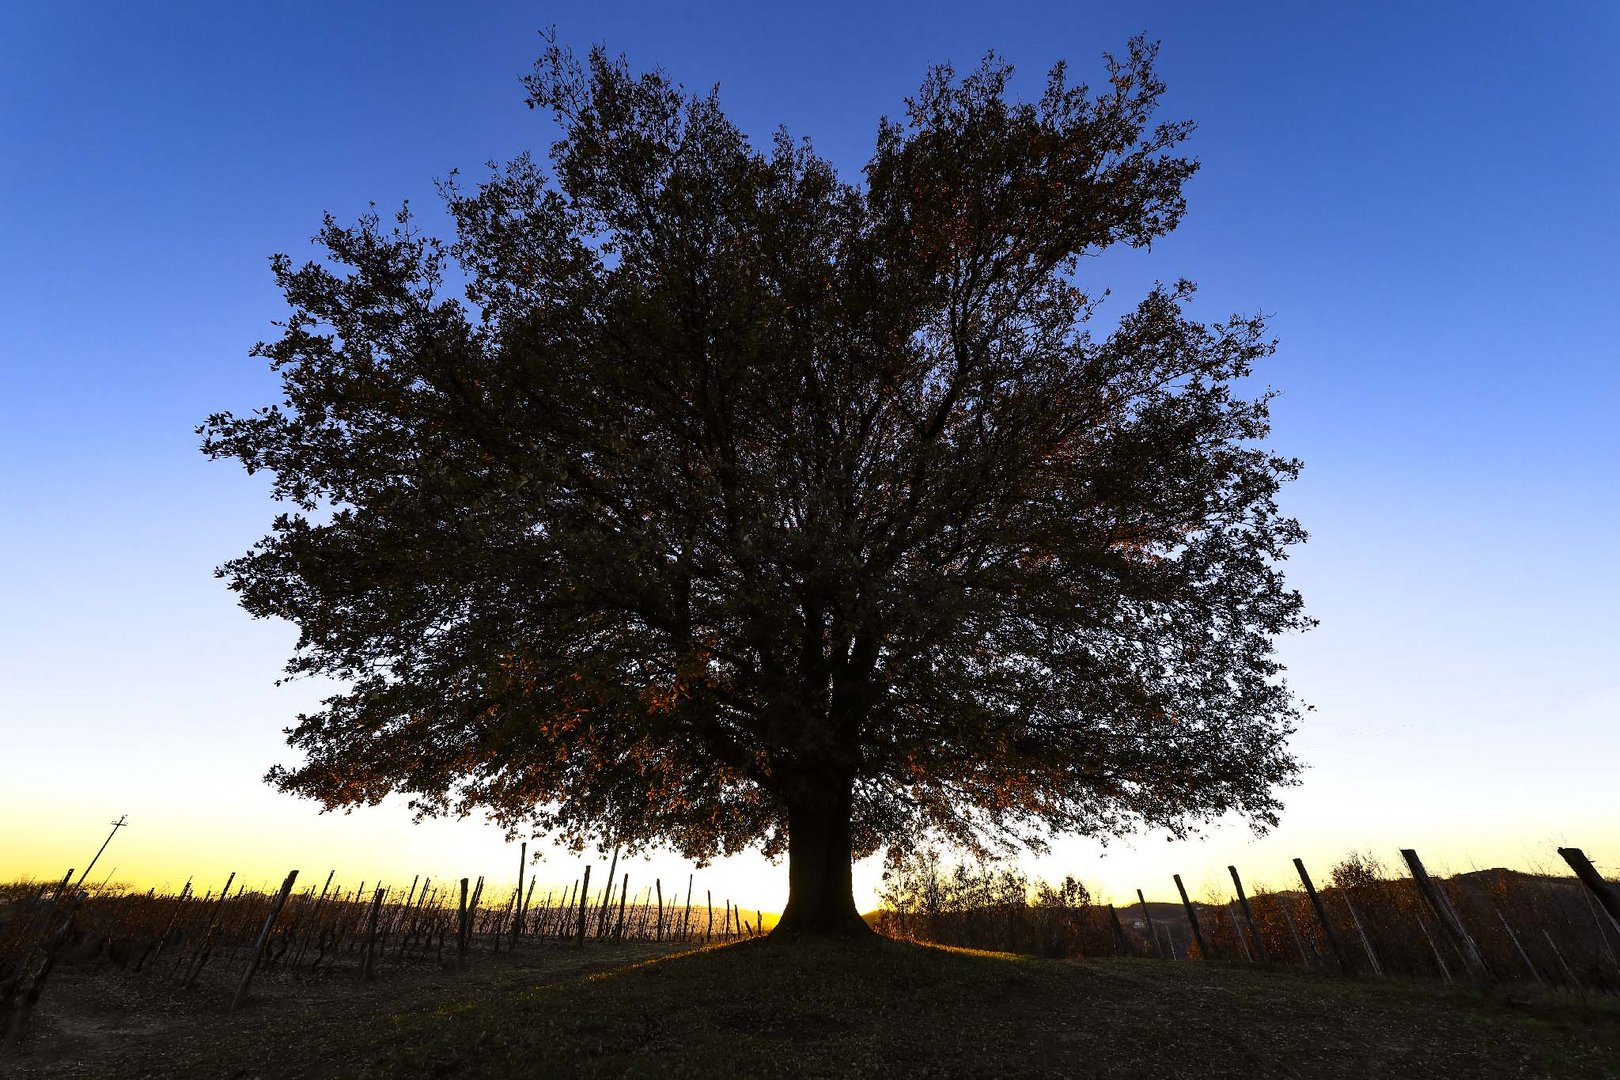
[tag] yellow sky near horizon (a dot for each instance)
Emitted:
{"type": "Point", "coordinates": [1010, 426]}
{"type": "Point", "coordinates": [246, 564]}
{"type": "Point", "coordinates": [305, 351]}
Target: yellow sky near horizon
{"type": "Point", "coordinates": [263, 835]}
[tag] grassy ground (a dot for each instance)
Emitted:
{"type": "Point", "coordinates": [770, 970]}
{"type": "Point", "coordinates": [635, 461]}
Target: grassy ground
{"type": "Point", "coordinates": [764, 1010]}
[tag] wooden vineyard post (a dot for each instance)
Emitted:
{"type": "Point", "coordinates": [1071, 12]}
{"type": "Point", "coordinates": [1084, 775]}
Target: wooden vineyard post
{"type": "Point", "coordinates": [709, 930]}
{"type": "Point", "coordinates": [371, 934]}
{"type": "Point", "coordinates": [208, 935]}
{"type": "Point", "coordinates": [1446, 915]}
{"type": "Point", "coordinates": [264, 936]}
{"type": "Point", "coordinates": [1248, 917]}
{"type": "Point", "coordinates": [528, 897]}
{"type": "Point", "coordinates": [1192, 920]}
{"type": "Point", "coordinates": [624, 893]}
{"type": "Point", "coordinates": [607, 896]}
{"type": "Point", "coordinates": [463, 926]}
{"type": "Point", "coordinates": [659, 884]}
{"type": "Point", "coordinates": [566, 910]}
{"type": "Point", "coordinates": [1147, 919]}
{"type": "Point", "coordinates": [314, 917]}
{"type": "Point", "coordinates": [1322, 918]}
{"type": "Point", "coordinates": [1602, 890]}
{"type": "Point", "coordinates": [174, 918]}
{"type": "Point", "coordinates": [686, 919]}
{"type": "Point", "coordinates": [517, 917]}
{"type": "Point", "coordinates": [584, 901]}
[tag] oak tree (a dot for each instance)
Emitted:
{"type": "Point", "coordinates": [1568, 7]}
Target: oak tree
{"type": "Point", "coordinates": [693, 495]}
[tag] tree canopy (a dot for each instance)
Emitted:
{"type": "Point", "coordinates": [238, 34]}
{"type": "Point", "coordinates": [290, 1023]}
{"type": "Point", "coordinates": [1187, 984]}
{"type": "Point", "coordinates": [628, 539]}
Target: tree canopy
{"type": "Point", "coordinates": [692, 495]}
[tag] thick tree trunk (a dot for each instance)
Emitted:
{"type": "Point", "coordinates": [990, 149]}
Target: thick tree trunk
{"type": "Point", "coordinates": [821, 898]}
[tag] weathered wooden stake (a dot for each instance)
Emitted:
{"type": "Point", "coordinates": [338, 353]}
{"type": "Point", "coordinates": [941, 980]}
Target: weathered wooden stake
{"type": "Point", "coordinates": [371, 934]}
{"type": "Point", "coordinates": [1594, 882]}
{"type": "Point", "coordinates": [208, 935]}
{"type": "Point", "coordinates": [1153, 938]}
{"type": "Point", "coordinates": [709, 930]}
{"type": "Point", "coordinates": [584, 900]}
{"type": "Point", "coordinates": [1598, 925]}
{"type": "Point", "coordinates": [607, 896]}
{"type": "Point", "coordinates": [528, 897]}
{"type": "Point", "coordinates": [659, 883]}
{"type": "Point", "coordinates": [463, 926]}
{"type": "Point", "coordinates": [517, 919]}
{"type": "Point", "coordinates": [1248, 917]}
{"type": "Point", "coordinates": [1447, 916]}
{"type": "Point", "coordinates": [624, 894]}
{"type": "Point", "coordinates": [264, 936]}
{"type": "Point", "coordinates": [1192, 920]}
{"type": "Point", "coordinates": [1322, 917]}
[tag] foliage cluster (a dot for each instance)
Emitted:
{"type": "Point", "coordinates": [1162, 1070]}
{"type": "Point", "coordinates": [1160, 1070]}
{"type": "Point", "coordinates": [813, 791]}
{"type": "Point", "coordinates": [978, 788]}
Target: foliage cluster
{"type": "Point", "coordinates": [737, 503]}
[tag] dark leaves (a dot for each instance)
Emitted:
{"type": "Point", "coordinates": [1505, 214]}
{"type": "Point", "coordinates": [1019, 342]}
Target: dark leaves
{"type": "Point", "coordinates": [728, 474]}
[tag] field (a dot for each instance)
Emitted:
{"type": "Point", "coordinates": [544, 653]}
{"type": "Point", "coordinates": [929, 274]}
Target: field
{"type": "Point", "coordinates": [761, 1009]}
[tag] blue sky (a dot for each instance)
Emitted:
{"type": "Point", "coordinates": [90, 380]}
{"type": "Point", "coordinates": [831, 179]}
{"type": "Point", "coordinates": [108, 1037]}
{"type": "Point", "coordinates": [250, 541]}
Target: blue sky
{"type": "Point", "coordinates": [1422, 198]}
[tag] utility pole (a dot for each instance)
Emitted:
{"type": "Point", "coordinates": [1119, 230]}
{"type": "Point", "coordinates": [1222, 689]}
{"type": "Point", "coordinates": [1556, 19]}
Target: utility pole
{"type": "Point", "coordinates": [119, 824]}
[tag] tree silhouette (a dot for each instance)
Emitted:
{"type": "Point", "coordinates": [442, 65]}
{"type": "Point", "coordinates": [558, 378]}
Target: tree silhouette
{"type": "Point", "coordinates": [694, 496]}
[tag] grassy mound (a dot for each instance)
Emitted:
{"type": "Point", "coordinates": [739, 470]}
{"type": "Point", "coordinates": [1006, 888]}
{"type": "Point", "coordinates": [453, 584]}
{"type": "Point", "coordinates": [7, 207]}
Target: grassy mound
{"type": "Point", "coordinates": [890, 1009]}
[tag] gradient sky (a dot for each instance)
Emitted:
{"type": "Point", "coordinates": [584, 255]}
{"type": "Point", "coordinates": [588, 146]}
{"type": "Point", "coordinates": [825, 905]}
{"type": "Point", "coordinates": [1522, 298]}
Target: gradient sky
{"type": "Point", "coordinates": [1422, 196]}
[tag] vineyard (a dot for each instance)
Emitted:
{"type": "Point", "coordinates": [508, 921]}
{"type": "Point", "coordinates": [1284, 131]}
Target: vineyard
{"type": "Point", "coordinates": [221, 945]}
{"type": "Point", "coordinates": [109, 979]}
{"type": "Point", "coordinates": [1476, 928]}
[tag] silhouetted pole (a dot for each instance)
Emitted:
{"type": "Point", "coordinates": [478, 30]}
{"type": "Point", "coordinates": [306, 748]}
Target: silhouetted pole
{"type": "Point", "coordinates": [1248, 917]}
{"type": "Point", "coordinates": [1322, 917]}
{"type": "Point", "coordinates": [607, 896]}
{"type": "Point", "coordinates": [1192, 920]}
{"type": "Point", "coordinates": [264, 936]}
{"type": "Point", "coordinates": [624, 894]}
{"type": "Point", "coordinates": [1594, 882]}
{"type": "Point", "coordinates": [371, 934]}
{"type": "Point", "coordinates": [1446, 915]}
{"type": "Point", "coordinates": [463, 926]}
{"type": "Point", "coordinates": [584, 901]}
{"type": "Point", "coordinates": [208, 935]}
{"type": "Point", "coordinates": [517, 918]}
{"type": "Point", "coordinates": [119, 824]}
{"type": "Point", "coordinates": [1153, 938]}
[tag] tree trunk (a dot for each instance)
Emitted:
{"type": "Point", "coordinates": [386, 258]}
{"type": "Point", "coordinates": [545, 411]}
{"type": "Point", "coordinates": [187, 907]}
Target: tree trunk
{"type": "Point", "coordinates": [821, 898]}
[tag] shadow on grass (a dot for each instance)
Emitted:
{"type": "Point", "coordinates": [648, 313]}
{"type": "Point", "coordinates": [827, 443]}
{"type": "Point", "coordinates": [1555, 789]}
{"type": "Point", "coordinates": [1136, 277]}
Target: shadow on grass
{"type": "Point", "coordinates": [881, 1008]}
{"type": "Point", "coordinates": [885, 1008]}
